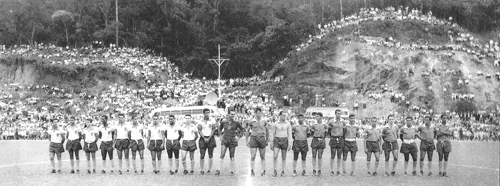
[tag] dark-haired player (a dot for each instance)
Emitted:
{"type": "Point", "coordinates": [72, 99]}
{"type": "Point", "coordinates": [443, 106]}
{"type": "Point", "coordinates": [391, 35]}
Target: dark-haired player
{"type": "Point", "coordinates": [443, 133]}
{"type": "Point", "coordinates": [206, 128]}
{"type": "Point", "coordinates": [300, 134]}
{"type": "Point", "coordinates": [56, 138]}
{"type": "Point", "coordinates": [426, 135]}
{"type": "Point", "coordinates": [350, 145]}
{"type": "Point", "coordinates": [257, 140]}
{"type": "Point", "coordinates": [390, 135]}
{"type": "Point", "coordinates": [90, 134]}
{"type": "Point", "coordinates": [188, 141]}
{"type": "Point", "coordinates": [408, 135]}
{"type": "Point", "coordinates": [229, 129]}
{"type": "Point", "coordinates": [281, 140]}
{"type": "Point", "coordinates": [336, 132]}
{"type": "Point", "coordinates": [122, 142]}
{"type": "Point", "coordinates": [373, 144]}
{"type": "Point", "coordinates": [155, 143]}
{"type": "Point", "coordinates": [106, 134]}
{"type": "Point", "coordinates": [74, 133]}
{"type": "Point", "coordinates": [319, 132]}
{"type": "Point", "coordinates": [173, 135]}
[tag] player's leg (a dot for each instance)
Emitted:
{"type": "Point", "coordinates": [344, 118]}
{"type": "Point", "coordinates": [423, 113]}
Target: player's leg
{"type": "Point", "coordinates": [387, 154]}
{"type": "Point", "coordinates": [253, 154]}
{"type": "Point", "coordinates": [153, 158]}
{"type": "Point", "coordinates": [344, 159]}
{"type": "Point", "coordinates": [276, 151]}
{"type": "Point", "coordinates": [407, 158]}
{"type": "Point", "coordinates": [119, 152]}
{"type": "Point", "coordinates": [441, 156]}
{"type": "Point", "coordinates": [414, 158]}
{"type": "Point", "coordinates": [52, 161]}
{"type": "Point", "coordinates": [445, 167]}
{"type": "Point", "coordinates": [368, 160]}
{"type": "Point", "coordinates": [295, 159]}
{"type": "Point", "coordinates": [353, 162]}
{"type": "Point", "coordinates": [110, 154]}
{"type": "Point", "coordinates": [422, 158]}
{"type": "Point", "coordinates": [223, 150]}
{"type": "Point", "coordinates": [395, 153]}
{"type": "Point", "coordinates": [340, 152]}
{"type": "Point", "coordinates": [127, 160]}
{"type": "Point", "coordinates": [429, 160]}
{"type": "Point", "coordinates": [377, 161]}
{"type": "Point", "coordinates": [333, 152]}
{"type": "Point", "coordinates": [170, 155]}
{"type": "Point", "coordinates": [314, 155]}
{"type": "Point", "coordinates": [232, 150]}
{"type": "Point", "coordinates": [210, 159]}
{"type": "Point", "coordinates": [303, 153]}
{"type": "Point", "coordinates": [87, 154]}
{"type": "Point", "coordinates": [104, 153]}
{"type": "Point", "coordinates": [283, 161]}
{"type": "Point", "coordinates": [320, 160]}
{"type": "Point", "coordinates": [94, 163]}
{"type": "Point", "coordinates": [59, 161]}
{"type": "Point", "coordinates": [183, 159]}
{"type": "Point", "coordinates": [191, 157]}
{"type": "Point", "coordinates": [72, 160]}
{"type": "Point", "coordinates": [158, 160]}
{"type": "Point", "coordinates": [176, 156]}
{"type": "Point", "coordinates": [134, 162]}
{"type": "Point", "coordinates": [77, 157]}
{"type": "Point", "coordinates": [202, 157]}
{"type": "Point", "coordinates": [262, 152]}
{"type": "Point", "coordinates": [141, 155]}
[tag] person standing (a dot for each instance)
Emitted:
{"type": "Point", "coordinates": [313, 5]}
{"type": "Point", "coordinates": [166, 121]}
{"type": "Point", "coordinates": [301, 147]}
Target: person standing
{"type": "Point", "coordinates": [281, 140]}
{"type": "Point", "coordinates": [350, 145]}
{"type": "Point", "coordinates": [122, 142]}
{"type": "Point", "coordinates": [106, 134]}
{"type": "Point", "coordinates": [90, 144]}
{"type": "Point", "coordinates": [300, 133]}
{"type": "Point", "coordinates": [188, 141]}
{"type": "Point", "coordinates": [229, 129]}
{"type": "Point", "coordinates": [206, 128]}
{"type": "Point", "coordinates": [443, 134]}
{"type": "Point", "coordinates": [173, 134]}
{"type": "Point", "coordinates": [136, 135]}
{"type": "Point", "coordinates": [390, 135]}
{"type": "Point", "coordinates": [155, 143]}
{"type": "Point", "coordinates": [336, 132]}
{"type": "Point", "coordinates": [372, 144]}
{"type": "Point", "coordinates": [319, 132]}
{"type": "Point", "coordinates": [257, 140]}
{"type": "Point", "coordinates": [56, 139]}
{"type": "Point", "coordinates": [408, 135]}
{"type": "Point", "coordinates": [74, 133]}
{"type": "Point", "coordinates": [426, 136]}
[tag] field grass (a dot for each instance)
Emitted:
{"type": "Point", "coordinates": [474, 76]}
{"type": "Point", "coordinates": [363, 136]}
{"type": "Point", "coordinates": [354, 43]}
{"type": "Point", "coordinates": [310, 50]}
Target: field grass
{"type": "Point", "coordinates": [27, 163]}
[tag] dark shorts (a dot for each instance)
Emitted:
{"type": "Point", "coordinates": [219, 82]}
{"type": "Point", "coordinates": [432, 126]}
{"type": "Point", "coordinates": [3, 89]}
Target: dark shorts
{"type": "Point", "coordinates": [155, 145]}
{"type": "Point", "coordinates": [122, 144]}
{"type": "Point", "coordinates": [350, 146]}
{"type": "Point", "coordinates": [204, 145]}
{"type": "Point", "coordinates": [73, 145]}
{"type": "Point", "coordinates": [444, 146]}
{"type": "Point", "coordinates": [336, 142]}
{"type": "Point", "coordinates": [390, 146]}
{"type": "Point", "coordinates": [300, 146]}
{"type": "Point", "coordinates": [409, 148]}
{"type": "Point", "coordinates": [106, 146]}
{"type": "Point", "coordinates": [137, 145]}
{"type": "Point", "coordinates": [280, 143]}
{"type": "Point", "coordinates": [90, 147]}
{"type": "Point", "coordinates": [189, 145]}
{"type": "Point", "coordinates": [56, 147]}
{"type": "Point", "coordinates": [373, 146]}
{"type": "Point", "coordinates": [427, 146]}
{"type": "Point", "coordinates": [173, 145]}
{"type": "Point", "coordinates": [318, 143]}
{"type": "Point", "coordinates": [257, 142]}
{"type": "Point", "coordinates": [229, 142]}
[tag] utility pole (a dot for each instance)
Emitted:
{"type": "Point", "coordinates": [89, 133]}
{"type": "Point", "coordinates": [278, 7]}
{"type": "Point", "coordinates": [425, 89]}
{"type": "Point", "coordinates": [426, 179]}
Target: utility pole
{"type": "Point", "coordinates": [219, 63]}
{"type": "Point", "coordinates": [116, 8]}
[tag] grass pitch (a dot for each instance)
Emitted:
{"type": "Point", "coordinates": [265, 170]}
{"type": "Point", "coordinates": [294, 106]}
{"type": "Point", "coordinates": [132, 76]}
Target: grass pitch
{"type": "Point", "coordinates": [27, 163]}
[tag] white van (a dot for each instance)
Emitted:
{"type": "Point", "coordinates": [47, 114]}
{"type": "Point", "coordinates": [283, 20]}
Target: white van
{"type": "Point", "coordinates": [327, 111]}
{"type": "Point", "coordinates": [191, 110]}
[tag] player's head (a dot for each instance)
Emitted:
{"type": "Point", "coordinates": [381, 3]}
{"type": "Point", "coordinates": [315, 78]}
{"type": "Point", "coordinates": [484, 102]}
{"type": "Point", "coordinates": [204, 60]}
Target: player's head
{"type": "Point", "coordinates": [443, 119]}
{"type": "Point", "coordinates": [338, 112]}
{"type": "Point", "coordinates": [300, 118]}
{"type": "Point", "coordinates": [319, 116]}
{"type": "Point", "coordinates": [427, 120]}
{"type": "Point", "coordinates": [121, 117]}
{"type": "Point", "coordinates": [258, 112]}
{"type": "Point", "coordinates": [352, 118]}
{"type": "Point", "coordinates": [104, 120]}
{"type": "Point", "coordinates": [171, 119]}
{"type": "Point", "coordinates": [282, 115]}
{"type": "Point", "coordinates": [188, 118]}
{"type": "Point", "coordinates": [374, 122]}
{"type": "Point", "coordinates": [232, 114]}
{"type": "Point", "coordinates": [206, 112]}
{"type": "Point", "coordinates": [390, 118]}
{"type": "Point", "coordinates": [72, 120]}
{"type": "Point", "coordinates": [409, 121]}
{"type": "Point", "coordinates": [156, 119]}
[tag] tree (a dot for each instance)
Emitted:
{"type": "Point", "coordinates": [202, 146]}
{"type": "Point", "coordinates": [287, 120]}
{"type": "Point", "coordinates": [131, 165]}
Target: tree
{"type": "Point", "coordinates": [64, 17]}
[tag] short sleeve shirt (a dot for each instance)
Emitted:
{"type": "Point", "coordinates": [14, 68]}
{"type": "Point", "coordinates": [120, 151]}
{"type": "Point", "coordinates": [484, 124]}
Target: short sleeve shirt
{"type": "Point", "coordinates": [230, 129]}
{"type": "Point", "coordinates": [390, 134]}
{"type": "Point", "coordinates": [107, 133]}
{"type": "Point", "coordinates": [90, 135]}
{"type": "Point", "coordinates": [56, 135]}
{"type": "Point", "coordinates": [172, 131]}
{"type": "Point", "coordinates": [189, 132]}
{"type": "Point", "coordinates": [300, 132]}
{"type": "Point", "coordinates": [73, 132]}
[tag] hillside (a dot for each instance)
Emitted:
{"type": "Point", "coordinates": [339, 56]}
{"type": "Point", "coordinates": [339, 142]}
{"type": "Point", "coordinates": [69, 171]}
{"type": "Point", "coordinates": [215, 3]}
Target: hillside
{"type": "Point", "coordinates": [352, 72]}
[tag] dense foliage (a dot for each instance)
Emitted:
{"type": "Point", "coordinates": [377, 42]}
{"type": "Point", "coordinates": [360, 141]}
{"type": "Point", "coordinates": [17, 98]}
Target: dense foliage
{"type": "Point", "coordinates": [255, 33]}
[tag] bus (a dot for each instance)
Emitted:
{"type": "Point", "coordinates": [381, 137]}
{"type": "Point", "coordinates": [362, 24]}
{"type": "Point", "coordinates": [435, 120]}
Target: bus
{"type": "Point", "coordinates": [327, 112]}
{"type": "Point", "coordinates": [191, 110]}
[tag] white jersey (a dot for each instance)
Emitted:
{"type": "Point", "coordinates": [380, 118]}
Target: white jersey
{"type": "Point", "coordinates": [155, 132]}
{"type": "Point", "coordinates": [73, 132]}
{"type": "Point", "coordinates": [122, 131]}
{"type": "Point", "coordinates": [135, 132]}
{"type": "Point", "coordinates": [189, 132]}
{"type": "Point", "coordinates": [56, 135]}
{"type": "Point", "coordinates": [90, 135]}
{"type": "Point", "coordinates": [172, 131]}
{"type": "Point", "coordinates": [106, 132]}
{"type": "Point", "coordinates": [207, 126]}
